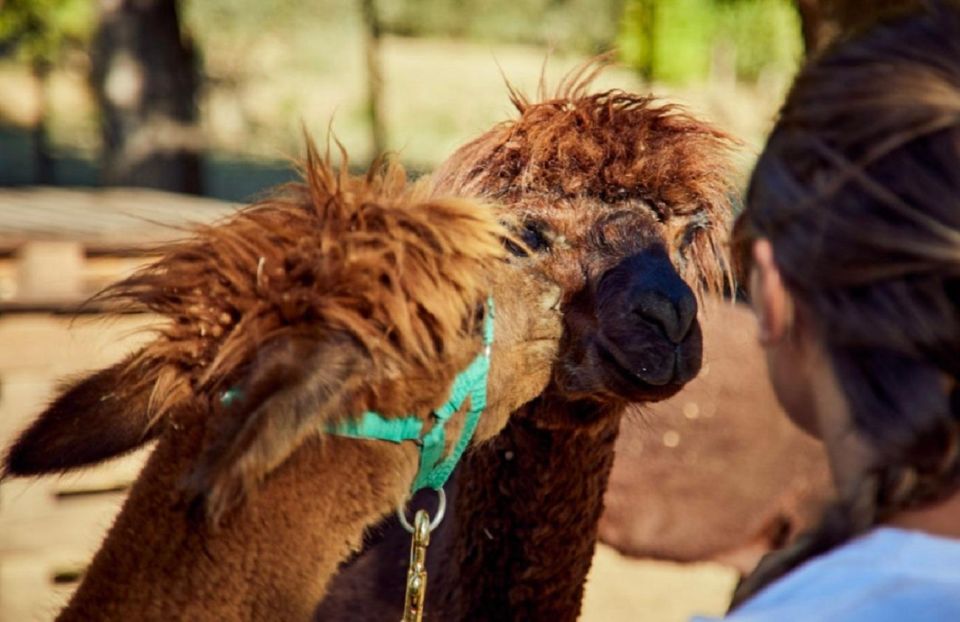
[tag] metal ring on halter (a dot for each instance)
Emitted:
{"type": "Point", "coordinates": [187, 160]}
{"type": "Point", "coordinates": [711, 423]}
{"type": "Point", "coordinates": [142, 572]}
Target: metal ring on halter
{"type": "Point", "coordinates": [441, 510]}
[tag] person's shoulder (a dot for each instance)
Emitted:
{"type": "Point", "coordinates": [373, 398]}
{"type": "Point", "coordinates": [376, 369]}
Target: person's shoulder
{"type": "Point", "coordinates": [915, 600]}
{"type": "Point", "coordinates": [886, 601]}
{"type": "Point", "coordinates": [888, 574]}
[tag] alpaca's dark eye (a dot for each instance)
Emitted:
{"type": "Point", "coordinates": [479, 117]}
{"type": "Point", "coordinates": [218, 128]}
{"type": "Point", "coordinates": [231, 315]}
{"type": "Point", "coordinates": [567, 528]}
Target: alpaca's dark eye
{"type": "Point", "coordinates": [533, 239]}
{"type": "Point", "coordinates": [515, 249]}
{"type": "Point", "coordinates": [532, 236]}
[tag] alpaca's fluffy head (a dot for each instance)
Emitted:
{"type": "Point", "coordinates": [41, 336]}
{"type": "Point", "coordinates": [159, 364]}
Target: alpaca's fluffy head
{"type": "Point", "coordinates": [368, 258]}
{"type": "Point", "coordinates": [594, 153]}
{"type": "Point", "coordinates": [620, 200]}
{"type": "Point", "coordinates": [328, 298]}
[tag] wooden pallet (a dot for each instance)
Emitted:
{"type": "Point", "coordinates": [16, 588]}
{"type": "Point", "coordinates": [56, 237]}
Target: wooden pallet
{"type": "Point", "coordinates": [58, 247]}
{"type": "Point", "coordinates": [50, 526]}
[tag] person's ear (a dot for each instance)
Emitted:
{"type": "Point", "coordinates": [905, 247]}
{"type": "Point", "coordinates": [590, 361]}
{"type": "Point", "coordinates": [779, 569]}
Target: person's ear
{"type": "Point", "coordinates": [770, 300]}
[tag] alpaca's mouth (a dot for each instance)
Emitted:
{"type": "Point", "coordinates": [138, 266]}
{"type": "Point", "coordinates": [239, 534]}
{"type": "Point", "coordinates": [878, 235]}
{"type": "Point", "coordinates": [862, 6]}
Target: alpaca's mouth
{"type": "Point", "coordinates": [654, 379]}
{"type": "Point", "coordinates": [645, 374]}
{"type": "Point", "coordinates": [612, 362]}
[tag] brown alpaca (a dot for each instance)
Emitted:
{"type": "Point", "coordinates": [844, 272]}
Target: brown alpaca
{"type": "Point", "coordinates": [619, 197]}
{"type": "Point", "coordinates": [333, 297]}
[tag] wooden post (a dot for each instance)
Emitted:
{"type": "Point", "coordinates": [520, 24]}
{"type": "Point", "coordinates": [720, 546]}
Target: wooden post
{"type": "Point", "coordinates": [373, 34]}
{"type": "Point", "coordinates": [43, 163]}
{"type": "Point", "coordinates": [649, 12]}
{"type": "Point", "coordinates": [144, 74]}
{"type": "Point", "coordinates": [50, 271]}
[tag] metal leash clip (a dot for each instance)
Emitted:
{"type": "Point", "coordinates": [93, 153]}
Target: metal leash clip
{"type": "Point", "coordinates": [416, 595]}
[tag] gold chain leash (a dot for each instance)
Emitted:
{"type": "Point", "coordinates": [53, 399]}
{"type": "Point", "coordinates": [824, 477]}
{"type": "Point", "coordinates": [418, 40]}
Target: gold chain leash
{"type": "Point", "coordinates": [414, 601]}
{"type": "Point", "coordinates": [416, 596]}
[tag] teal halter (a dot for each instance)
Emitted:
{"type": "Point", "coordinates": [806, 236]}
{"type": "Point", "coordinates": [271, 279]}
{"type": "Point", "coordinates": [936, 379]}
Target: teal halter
{"type": "Point", "coordinates": [434, 468]}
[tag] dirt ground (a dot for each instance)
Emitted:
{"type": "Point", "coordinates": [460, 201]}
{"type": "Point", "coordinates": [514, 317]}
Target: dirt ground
{"type": "Point", "coordinates": [626, 590]}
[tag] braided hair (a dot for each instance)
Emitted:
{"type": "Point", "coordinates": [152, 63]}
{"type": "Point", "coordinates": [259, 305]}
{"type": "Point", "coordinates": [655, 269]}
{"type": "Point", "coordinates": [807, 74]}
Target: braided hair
{"type": "Point", "coordinates": [858, 191]}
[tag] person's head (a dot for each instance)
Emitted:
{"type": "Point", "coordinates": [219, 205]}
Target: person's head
{"type": "Point", "coordinates": [851, 237]}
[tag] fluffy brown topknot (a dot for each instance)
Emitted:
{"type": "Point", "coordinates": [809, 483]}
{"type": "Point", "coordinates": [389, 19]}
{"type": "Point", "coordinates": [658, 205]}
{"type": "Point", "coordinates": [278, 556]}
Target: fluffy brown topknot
{"type": "Point", "coordinates": [370, 258]}
{"type": "Point", "coordinates": [611, 147]}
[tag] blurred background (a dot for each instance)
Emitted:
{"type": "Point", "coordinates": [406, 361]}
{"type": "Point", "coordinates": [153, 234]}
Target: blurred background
{"type": "Point", "coordinates": [124, 120]}
{"type": "Point", "coordinates": [209, 96]}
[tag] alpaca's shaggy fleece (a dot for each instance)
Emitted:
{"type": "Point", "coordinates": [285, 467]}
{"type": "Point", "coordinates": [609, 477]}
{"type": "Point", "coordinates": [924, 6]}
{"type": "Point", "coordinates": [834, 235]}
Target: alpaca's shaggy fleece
{"type": "Point", "coordinates": [328, 298]}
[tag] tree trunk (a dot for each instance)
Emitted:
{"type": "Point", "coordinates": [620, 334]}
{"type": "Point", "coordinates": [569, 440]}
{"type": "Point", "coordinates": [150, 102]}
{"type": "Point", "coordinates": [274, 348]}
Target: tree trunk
{"type": "Point", "coordinates": [146, 81]}
{"type": "Point", "coordinates": [43, 162]}
{"type": "Point", "coordinates": [822, 21]}
{"type": "Point", "coordinates": [813, 25]}
{"type": "Point", "coordinates": [373, 33]}
{"type": "Point", "coordinates": [648, 11]}
{"type": "Point", "coordinates": [854, 14]}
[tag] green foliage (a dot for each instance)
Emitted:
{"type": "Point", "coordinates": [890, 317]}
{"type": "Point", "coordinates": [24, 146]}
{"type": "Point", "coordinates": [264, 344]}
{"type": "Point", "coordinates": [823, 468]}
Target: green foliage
{"type": "Point", "coordinates": [764, 33]}
{"type": "Point", "coordinates": [38, 30]}
{"type": "Point", "coordinates": [683, 40]}
{"type": "Point", "coordinates": [676, 40]}
{"type": "Point", "coordinates": [634, 38]}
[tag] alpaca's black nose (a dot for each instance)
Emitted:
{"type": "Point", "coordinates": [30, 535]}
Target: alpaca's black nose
{"type": "Point", "coordinates": [660, 297]}
{"type": "Point", "coordinates": [653, 293]}
{"type": "Point", "coordinates": [648, 319]}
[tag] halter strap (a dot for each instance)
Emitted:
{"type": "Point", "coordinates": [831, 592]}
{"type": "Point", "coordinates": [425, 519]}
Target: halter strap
{"type": "Point", "coordinates": [434, 469]}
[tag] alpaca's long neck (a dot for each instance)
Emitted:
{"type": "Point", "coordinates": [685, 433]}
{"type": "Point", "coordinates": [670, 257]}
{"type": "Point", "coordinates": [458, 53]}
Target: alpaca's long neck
{"type": "Point", "coordinates": [272, 557]}
{"type": "Point", "coordinates": [528, 507]}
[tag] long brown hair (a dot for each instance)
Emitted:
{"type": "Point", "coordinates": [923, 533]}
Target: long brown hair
{"type": "Point", "coordinates": [858, 190]}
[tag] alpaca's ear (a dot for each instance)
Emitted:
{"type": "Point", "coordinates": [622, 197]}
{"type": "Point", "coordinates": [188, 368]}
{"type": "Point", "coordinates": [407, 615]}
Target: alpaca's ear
{"type": "Point", "coordinates": [91, 420]}
{"type": "Point", "coordinates": [296, 386]}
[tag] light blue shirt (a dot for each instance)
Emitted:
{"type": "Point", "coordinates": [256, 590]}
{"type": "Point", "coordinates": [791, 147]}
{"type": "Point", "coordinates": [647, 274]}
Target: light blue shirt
{"type": "Point", "coordinates": [887, 575]}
